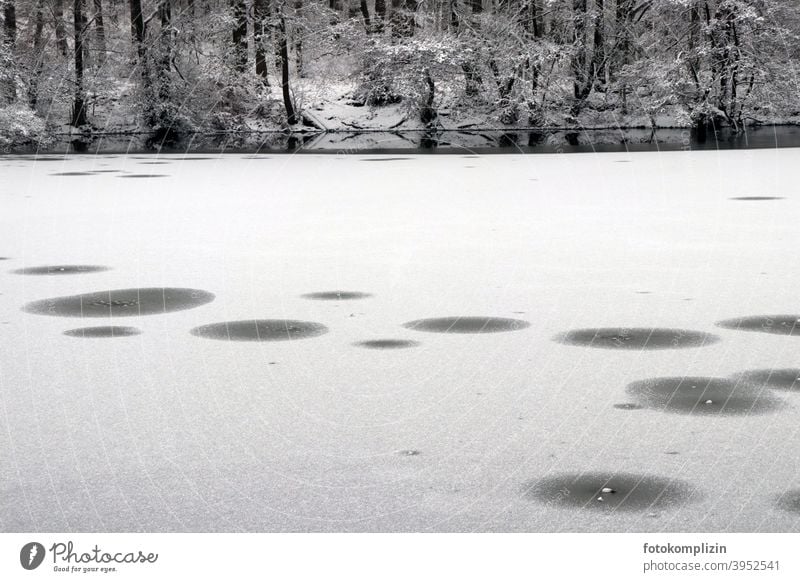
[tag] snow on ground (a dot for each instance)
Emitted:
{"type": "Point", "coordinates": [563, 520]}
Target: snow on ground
{"type": "Point", "coordinates": [171, 430]}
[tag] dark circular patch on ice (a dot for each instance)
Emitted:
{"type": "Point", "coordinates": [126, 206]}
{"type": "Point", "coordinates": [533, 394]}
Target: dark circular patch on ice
{"type": "Point", "coordinates": [61, 270]}
{"type": "Point", "coordinates": [336, 295]}
{"type": "Point", "coordinates": [143, 176]}
{"type": "Point", "coordinates": [781, 379]}
{"type": "Point", "coordinates": [789, 501]}
{"type": "Point", "coordinates": [636, 338]}
{"type": "Point", "coordinates": [756, 198]}
{"type": "Point", "coordinates": [121, 302]}
{"type": "Point", "coordinates": [158, 163]}
{"type": "Point", "coordinates": [608, 491]}
{"type": "Point", "coordinates": [383, 159]}
{"type": "Point", "coordinates": [702, 395]}
{"type": "Point", "coordinates": [387, 344]}
{"type": "Point", "coordinates": [467, 324]}
{"type": "Point", "coordinates": [628, 406]}
{"type": "Point", "coordinates": [71, 174]}
{"type": "Point", "coordinates": [261, 330]}
{"type": "Point", "coordinates": [777, 324]}
{"type": "Point", "coordinates": [103, 331]}
{"type": "Point", "coordinates": [4, 258]}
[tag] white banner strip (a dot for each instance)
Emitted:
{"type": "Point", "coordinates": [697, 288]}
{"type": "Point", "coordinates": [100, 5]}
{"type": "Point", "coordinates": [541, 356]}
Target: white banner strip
{"type": "Point", "coordinates": [399, 557]}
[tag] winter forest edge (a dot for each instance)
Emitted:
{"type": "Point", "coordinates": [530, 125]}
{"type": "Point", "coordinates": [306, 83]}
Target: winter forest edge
{"type": "Point", "coordinates": [172, 67]}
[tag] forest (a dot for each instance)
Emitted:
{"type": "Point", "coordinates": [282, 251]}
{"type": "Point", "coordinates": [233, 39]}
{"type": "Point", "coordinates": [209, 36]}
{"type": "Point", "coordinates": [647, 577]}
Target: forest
{"type": "Point", "coordinates": [179, 66]}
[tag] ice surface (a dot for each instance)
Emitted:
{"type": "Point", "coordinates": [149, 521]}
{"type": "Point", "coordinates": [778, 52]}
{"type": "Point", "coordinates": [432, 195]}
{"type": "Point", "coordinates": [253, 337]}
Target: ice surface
{"type": "Point", "coordinates": [168, 431]}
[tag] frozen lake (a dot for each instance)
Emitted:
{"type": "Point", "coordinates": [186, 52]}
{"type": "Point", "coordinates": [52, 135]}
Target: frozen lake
{"type": "Point", "coordinates": [583, 342]}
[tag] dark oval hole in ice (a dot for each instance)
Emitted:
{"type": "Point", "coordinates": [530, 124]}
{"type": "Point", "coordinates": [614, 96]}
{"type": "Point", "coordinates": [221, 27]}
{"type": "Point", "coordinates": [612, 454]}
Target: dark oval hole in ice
{"type": "Point", "coordinates": [789, 501]}
{"type": "Point", "coordinates": [105, 171]}
{"type": "Point", "coordinates": [383, 159]}
{"type": "Point", "coordinates": [336, 295]}
{"type": "Point", "coordinates": [71, 174]}
{"type": "Point", "coordinates": [609, 491]}
{"type": "Point", "coordinates": [778, 379]}
{"type": "Point", "coordinates": [459, 324]}
{"type": "Point", "coordinates": [637, 338]}
{"type": "Point", "coordinates": [61, 270]}
{"type": "Point", "coordinates": [103, 331]}
{"type": "Point", "coordinates": [628, 406]}
{"type": "Point", "coordinates": [121, 302]}
{"type": "Point", "coordinates": [756, 198]}
{"type": "Point", "coordinates": [775, 324]}
{"type": "Point", "coordinates": [158, 163]}
{"type": "Point", "coordinates": [702, 396]}
{"type": "Point", "coordinates": [387, 344]}
{"type": "Point", "coordinates": [143, 176]}
{"type": "Point", "coordinates": [263, 330]}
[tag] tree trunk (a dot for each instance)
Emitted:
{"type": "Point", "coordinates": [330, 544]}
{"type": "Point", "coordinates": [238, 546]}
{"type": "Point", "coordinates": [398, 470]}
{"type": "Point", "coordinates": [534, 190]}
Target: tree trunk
{"type": "Point", "coordinates": [38, 53]}
{"type": "Point", "coordinates": [79, 102]}
{"type": "Point", "coordinates": [260, 37]}
{"type": "Point", "coordinates": [283, 42]}
{"type": "Point", "coordinates": [9, 40]}
{"type": "Point", "coordinates": [599, 56]}
{"type": "Point", "coordinates": [61, 29]}
{"type": "Point", "coordinates": [164, 64]}
{"type": "Point", "coordinates": [100, 31]}
{"type": "Point", "coordinates": [380, 15]}
{"type": "Point", "coordinates": [240, 34]}
{"type": "Point", "coordinates": [297, 36]}
{"type": "Point", "coordinates": [138, 33]}
{"type": "Point", "coordinates": [582, 82]}
{"type": "Point", "coordinates": [365, 15]}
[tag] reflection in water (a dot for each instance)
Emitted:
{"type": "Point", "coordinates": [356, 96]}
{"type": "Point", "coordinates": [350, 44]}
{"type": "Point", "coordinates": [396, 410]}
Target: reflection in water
{"type": "Point", "coordinates": [447, 141]}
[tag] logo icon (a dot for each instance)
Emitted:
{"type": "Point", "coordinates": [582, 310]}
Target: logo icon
{"type": "Point", "coordinates": [31, 555]}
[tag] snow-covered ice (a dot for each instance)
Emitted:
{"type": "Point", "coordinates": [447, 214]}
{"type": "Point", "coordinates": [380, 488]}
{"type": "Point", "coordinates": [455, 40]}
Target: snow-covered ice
{"type": "Point", "coordinates": [157, 422]}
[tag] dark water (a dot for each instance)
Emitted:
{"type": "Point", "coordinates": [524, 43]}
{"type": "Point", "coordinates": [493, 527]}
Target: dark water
{"type": "Point", "coordinates": [703, 396]}
{"type": "Point", "coordinates": [445, 141]}
{"type": "Point", "coordinates": [61, 270]}
{"type": "Point", "coordinates": [336, 295]}
{"type": "Point", "coordinates": [260, 330]}
{"type": "Point", "coordinates": [774, 324]}
{"type": "Point", "coordinates": [599, 491]}
{"type": "Point", "coordinates": [789, 501]}
{"type": "Point", "coordinates": [143, 176]}
{"type": "Point", "coordinates": [636, 338]}
{"type": "Point", "coordinates": [756, 198]}
{"type": "Point", "coordinates": [387, 344]}
{"type": "Point", "coordinates": [121, 302]}
{"type": "Point", "coordinates": [467, 324]}
{"type": "Point", "coordinates": [628, 406]}
{"type": "Point", "coordinates": [105, 331]}
{"type": "Point", "coordinates": [781, 379]}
